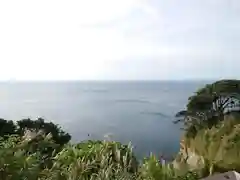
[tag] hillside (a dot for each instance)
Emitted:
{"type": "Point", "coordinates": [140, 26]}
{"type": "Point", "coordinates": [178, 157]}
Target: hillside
{"type": "Point", "coordinates": [212, 150]}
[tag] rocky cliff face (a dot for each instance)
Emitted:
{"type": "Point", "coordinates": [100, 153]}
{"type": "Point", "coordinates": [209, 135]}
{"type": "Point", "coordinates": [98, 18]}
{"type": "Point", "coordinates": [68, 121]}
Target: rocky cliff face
{"type": "Point", "coordinates": [219, 145]}
{"type": "Point", "coordinates": [188, 159]}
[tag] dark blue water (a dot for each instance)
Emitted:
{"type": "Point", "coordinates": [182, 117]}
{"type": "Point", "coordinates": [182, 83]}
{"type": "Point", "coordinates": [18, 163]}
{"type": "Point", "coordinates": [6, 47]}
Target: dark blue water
{"type": "Point", "coordinates": [141, 112]}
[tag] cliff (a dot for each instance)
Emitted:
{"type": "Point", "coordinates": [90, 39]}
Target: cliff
{"type": "Point", "coordinates": [212, 150]}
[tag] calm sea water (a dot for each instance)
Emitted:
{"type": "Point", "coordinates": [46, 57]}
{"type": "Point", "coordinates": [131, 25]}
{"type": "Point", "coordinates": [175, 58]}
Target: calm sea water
{"type": "Point", "coordinates": [141, 112]}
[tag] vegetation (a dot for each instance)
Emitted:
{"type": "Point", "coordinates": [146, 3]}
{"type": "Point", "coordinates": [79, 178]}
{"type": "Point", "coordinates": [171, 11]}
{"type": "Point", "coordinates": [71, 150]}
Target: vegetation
{"type": "Point", "coordinates": [212, 126]}
{"type": "Point", "coordinates": [219, 146]}
{"type": "Point", "coordinates": [27, 156]}
{"type": "Point", "coordinates": [103, 160]}
{"type": "Point", "coordinates": [29, 129]}
{"type": "Point", "coordinates": [38, 150]}
{"type": "Point", "coordinates": [209, 105]}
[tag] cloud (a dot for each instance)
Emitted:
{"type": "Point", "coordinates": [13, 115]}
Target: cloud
{"type": "Point", "coordinates": [130, 39]}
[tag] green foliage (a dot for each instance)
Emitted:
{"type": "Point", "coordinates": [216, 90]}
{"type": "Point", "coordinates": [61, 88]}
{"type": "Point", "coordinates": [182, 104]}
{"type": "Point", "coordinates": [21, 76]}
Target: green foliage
{"type": "Point", "coordinates": [219, 146]}
{"type": "Point", "coordinates": [212, 127]}
{"type": "Point", "coordinates": [151, 169]}
{"type": "Point", "coordinates": [39, 150]}
{"type": "Point", "coordinates": [189, 176]}
{"type": "Point", "coordinates": [208, 106]}
{"type": "Point", "coordinates": [19, 128]}
{"type": "Point", "coordinates": [29, 128]}
{"type": "Point", "coordinates": [16, 162]}
{"type": "Point", "coordinates": [90, 160]}
{"type": "Point", "coordinates": [7, 128]}
{"type": "Point", "coordinates": [94, 159]}
{"type": "Point", "coordinates": [58, 135]}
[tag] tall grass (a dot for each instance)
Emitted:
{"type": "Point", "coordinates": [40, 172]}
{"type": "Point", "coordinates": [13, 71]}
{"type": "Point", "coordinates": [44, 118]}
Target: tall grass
{"type": "Point", "coordinates": [89, 160]}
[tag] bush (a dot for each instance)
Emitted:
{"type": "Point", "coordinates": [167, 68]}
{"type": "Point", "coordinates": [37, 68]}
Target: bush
{"type": "Point", "coordinates": [100, 160]}
{"type": "Point", "coordinates": [16, 162]}
{"type": "Point", "coordinates": [152, 169]}
{"type": "Point", "coordinates": [94, 159]}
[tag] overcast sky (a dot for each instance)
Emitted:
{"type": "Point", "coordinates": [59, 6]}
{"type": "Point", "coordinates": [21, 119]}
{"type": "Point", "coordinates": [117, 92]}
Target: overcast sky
{"type": "Point", "coordinates": [119, 39]}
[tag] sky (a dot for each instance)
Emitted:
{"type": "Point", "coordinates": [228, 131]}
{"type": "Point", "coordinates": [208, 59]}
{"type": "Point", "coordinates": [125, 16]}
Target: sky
{"type": "Point", "coordinates": [119, 39]}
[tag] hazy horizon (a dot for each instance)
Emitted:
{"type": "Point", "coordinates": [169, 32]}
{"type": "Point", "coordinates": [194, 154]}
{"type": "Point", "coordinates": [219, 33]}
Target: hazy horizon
{"type": "Point", "coordinates": [115, 80]}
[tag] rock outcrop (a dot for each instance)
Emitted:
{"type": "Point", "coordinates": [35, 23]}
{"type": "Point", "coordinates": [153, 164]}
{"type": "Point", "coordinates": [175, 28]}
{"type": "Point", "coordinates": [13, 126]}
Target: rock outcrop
{"type": "Point", "coordinates": [188, 158]}
{"type": "Point", "coordinates": [231, 175]}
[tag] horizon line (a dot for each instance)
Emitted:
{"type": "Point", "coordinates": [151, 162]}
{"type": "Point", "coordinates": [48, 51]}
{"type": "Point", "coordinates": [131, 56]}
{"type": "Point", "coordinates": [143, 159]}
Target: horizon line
{"type": "Point", "coordinates": [110, 80]}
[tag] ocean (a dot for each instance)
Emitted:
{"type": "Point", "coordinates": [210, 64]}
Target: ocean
{"type": "Point", "coordinates": [138, 111]}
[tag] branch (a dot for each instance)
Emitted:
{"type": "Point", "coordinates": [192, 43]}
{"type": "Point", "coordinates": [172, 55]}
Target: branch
{"type": "Point", "coordinates": [225, 104]}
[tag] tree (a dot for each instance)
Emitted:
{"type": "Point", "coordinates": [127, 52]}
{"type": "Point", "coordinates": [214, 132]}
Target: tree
{"type": "Point", "coordinates": [17, 162]}
{"type": "Point", "coordinates": [58, 135]}
{"type": "Point", "coordinates": [7, 128]}
{"type": "Point", "coordinates": [209, 105]}
{"type": "Point", "coordinates": [35, 130]}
